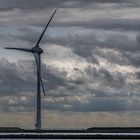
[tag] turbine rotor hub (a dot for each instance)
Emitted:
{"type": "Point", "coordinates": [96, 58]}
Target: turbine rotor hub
{"type": "Point", "coordinates": [36, 49]}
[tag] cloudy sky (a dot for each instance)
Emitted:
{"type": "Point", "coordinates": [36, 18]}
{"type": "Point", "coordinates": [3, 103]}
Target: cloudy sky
{"type": "Point", "coordinates": [90, 64]}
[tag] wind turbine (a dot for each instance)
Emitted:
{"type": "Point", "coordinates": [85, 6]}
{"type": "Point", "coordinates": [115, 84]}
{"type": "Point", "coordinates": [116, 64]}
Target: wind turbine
{"type": "Point", "coordinates": [37, 51]}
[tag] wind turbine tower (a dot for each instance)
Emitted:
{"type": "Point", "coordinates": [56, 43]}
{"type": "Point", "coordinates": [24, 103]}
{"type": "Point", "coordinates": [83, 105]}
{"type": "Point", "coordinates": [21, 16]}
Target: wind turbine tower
{"type": "Point", "coordinates": [37, 51]}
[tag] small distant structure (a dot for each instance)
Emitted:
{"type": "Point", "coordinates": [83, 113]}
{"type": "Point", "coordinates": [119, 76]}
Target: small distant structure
{"type": "Point", "coordinates": [37, 51]}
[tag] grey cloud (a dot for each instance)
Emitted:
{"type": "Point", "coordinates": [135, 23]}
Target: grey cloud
{"type": "Point", "coordinates": [28, 34]}
{"type": "Point", "coordinates": [89, 46]}
{"type": "Point", "coordinates": [16, 80]}
{"type": "Point", "coordinates": [138, 38]}
{"type": "Point", "coordinates": [104, 23]}
{"type": "Point", "coordinates": [28, 4]}
{"type": "Point", "coordinates": [31, 36]}
{"type": "Point", "coordinates": [123, 24]}
{"type": "Point", "coordinates": [97, 93]}
{"type": "Point", "coordinates": [104, 77]}
{"type": "Point", "coordinates": [62, 96]}
{"type": "Point", "coordinates": [82, 44]}
{"type": "Point", "coordinates": [98, 104]}
{"type": "Point", "coordinates": [16, 104]}
{"type": "Point", "coordinates": [12, 81]}
{"type": "Point", "coordinates": [20, 77]}
{"type": "Point", "coordinates": [54, 78]}
{"type": "Point", "coordinates": [114, 104]}
{"type": "Point", "coordinates": [133, 58]}
{"type": "Point", "coordinates": [138, 75]}
{"type": "Point", "coordinates": [103, 105]}
{"type": "Point", "coordinates": [114, 56]}
{"type": "Point", "coordinates": [23, 17]}
{"type": "Point", "coordinates": [122, 42]}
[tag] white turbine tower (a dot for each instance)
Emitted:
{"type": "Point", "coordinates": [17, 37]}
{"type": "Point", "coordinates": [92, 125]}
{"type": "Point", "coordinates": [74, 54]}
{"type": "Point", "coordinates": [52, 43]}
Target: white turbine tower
{"type": "Point", "coordinates": [37, 51]}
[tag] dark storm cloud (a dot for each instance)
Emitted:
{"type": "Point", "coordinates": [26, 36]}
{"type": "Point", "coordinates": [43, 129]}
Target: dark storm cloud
{"type": "Point", "coordinates": [16, 79]}
{"type": "Point", "coordinates": [133, 58]}
{"type": "Point", "coordinates": [104, 23]}
{"type": "Point", "coordinates": [54, 78]}
{"type": "Point", "coordinates": [30, 4]}
{"type": "Point", "coordinates": [27, 17]}
{"type": "Point", "coordinates": [138, 75]}
{"type": "Point", "coordinates": [82, 44]}
{"type": "Point", "coordinates": [13, 81]}
{"type": "Point", "coordinates": [28, 34]}
{"type": "Point", "coordinates": [106, 1]}
{"type": "Point", "coordinates": [31, 36]}
{"type": "Point", "coordinates": [109, 24]}
{"type": "Point", "coordinates": [104, 77]}
{"type": "Point", "coordinates": [26, 4]}
{"type": "Point", "coordinates": [122, 42]}
{"type": "Point", "coordinates": [88, 45]}
{"type": "Point", "coordinates": [63, 97]}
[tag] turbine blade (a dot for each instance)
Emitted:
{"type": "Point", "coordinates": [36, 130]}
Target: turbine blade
{"type": "Point", "coordinates": [20, 49]}
{"type": "Point", "coordinates": [42, 87]}
{"type": "Point", "coordinates": [45, 29]}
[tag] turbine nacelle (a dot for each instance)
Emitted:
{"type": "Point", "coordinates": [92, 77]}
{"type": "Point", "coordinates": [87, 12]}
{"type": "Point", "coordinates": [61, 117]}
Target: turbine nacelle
{"type": "Point", "coordinates": [36, 49]}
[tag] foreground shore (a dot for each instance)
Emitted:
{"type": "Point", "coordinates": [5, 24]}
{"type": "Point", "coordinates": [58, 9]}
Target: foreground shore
{"type": "Point", "coordinates": [91, 133]}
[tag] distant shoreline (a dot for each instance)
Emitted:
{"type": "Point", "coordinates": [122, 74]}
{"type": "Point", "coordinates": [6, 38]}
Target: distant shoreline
{"type": "Point", "coordinates": [89, 130]}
